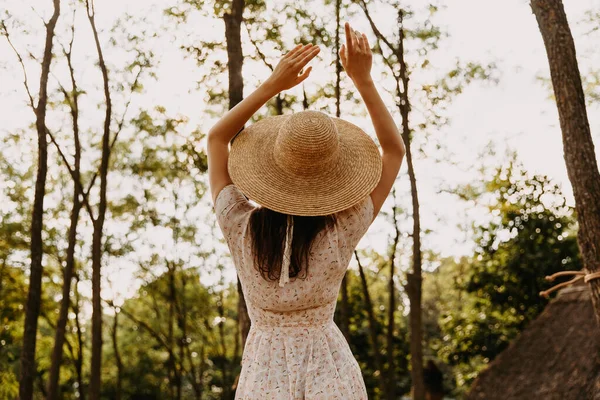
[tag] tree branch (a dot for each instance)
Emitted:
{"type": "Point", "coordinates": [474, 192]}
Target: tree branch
{"type": "Point", "coordinates": [122, 120]}
{"type": "Point", "coordinates": [119, 127]}
{"type": "Point", "coordinates": [148, 329]}
{"type": "Point", "coordinates": [25, 79]}
{"type": "Point", "coordinates": [260, 53]}
{"type": "Point", "coordinates": [72, 173]}
{"type": "Point", "coordinates": [376, 30]}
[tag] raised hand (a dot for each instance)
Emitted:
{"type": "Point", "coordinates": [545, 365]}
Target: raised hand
{"type": "Point", "coordinates": [288, 72]}
{"type": "Point", "coordinates": [356, 56]}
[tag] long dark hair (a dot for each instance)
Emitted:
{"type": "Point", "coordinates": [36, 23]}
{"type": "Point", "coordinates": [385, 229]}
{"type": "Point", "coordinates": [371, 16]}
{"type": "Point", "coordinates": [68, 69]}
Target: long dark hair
{"type": "Point", "coordinates": [268, 231]}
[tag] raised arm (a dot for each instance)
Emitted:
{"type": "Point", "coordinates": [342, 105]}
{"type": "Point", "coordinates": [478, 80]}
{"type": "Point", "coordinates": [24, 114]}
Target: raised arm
{"type": "Point", "coordinates": [285, 76]}
{"type": "Point", "coordinates": [356, 58]}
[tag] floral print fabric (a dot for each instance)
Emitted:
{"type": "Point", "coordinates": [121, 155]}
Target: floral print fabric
{"type": "Point", "coordinates": [294, 349]}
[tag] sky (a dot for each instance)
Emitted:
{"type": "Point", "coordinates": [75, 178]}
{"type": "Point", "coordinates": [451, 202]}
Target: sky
{"type": "Point", "coordinates": [517, 113]}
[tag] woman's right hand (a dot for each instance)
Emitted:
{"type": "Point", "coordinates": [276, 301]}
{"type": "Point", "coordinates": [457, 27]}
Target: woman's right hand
{"type": "Point", "coordinates": [356, 56]}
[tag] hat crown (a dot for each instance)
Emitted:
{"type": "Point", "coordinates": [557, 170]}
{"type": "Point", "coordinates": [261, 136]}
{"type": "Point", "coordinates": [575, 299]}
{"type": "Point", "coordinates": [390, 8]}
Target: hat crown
{"type": "Point", "coordinates": [307, 142]}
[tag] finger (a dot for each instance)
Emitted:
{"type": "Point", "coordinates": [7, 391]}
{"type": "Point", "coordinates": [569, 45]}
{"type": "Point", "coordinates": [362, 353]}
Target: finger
{"type": "Point", "coordinates": [343, 56]}
{"type": "Point", "coordinates": [304, 75]}
{"type": "Point", "coordinates": [359, 43]}
{"type": "Point", "coordinates": [297, 50]}
{"type": "Point", "coordinates": [355, 44]}
{"type": "Point", "coordinates": [300, 56]}
{"type": "Point", "coordinates": [366, 42]}
{"type": "Point", "coordinates": [349, 44]}
{"type": "Point", "coordinates": [300, 53]}
{"type": "Point", "coordinates": [309, 56]}
{"type": "Point", "coordinates": [294, 50]}
{"type": "Point", "coordinates": [357, 38]}
{"type": "Point", "coordinates": [361, 39]}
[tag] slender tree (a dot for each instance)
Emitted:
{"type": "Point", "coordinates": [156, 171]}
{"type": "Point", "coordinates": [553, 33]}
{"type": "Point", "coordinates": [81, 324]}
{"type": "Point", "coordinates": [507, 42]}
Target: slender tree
{"type": "Point", "coordinates": [72, 99]}
{"type": "Point", "coordinates": [176, 360]}
{"type": "Point", "coordinates": [344, 313]}
{"type": "Point", "coordinates": [235, 59]}
{"type": "Point", "coordinates": [414, 278]}
{"type": "Point", "coordinates": [80, 199]}
{"type": "Point", "coordinates": [34, 294]}
{"type": "Point", "coordinates": [98, 223]}
{"type": "Point", "coordinates": [391, 379]}
{"type": "Point", "coordinates": [119, 362]}
{"type": "Point", "coordinates": [79, 358]}
{"type": "Point", "coordinates": [579, 152]}
{"type": "Point", "coordinates": [372, 326]}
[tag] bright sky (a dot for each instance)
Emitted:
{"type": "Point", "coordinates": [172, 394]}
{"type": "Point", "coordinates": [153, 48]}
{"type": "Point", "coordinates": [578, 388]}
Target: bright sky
{"type": "Point", "coordinates": [516, 113]}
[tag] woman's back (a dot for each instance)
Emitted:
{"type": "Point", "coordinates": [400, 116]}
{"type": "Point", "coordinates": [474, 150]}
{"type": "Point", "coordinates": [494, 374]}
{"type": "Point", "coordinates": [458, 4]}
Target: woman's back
{"type": "Point", "coordinates": [311, 165]}
{"type": "Point", "coordinates": [293, 326]}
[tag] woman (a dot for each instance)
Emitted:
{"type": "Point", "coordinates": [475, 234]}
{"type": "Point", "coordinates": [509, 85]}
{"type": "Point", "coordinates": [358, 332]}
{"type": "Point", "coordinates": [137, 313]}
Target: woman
{"type": "Point", "coordinates": [319, 182]}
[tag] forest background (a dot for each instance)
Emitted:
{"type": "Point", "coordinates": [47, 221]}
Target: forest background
{"type": "Point", "coordinates": [152, 306]}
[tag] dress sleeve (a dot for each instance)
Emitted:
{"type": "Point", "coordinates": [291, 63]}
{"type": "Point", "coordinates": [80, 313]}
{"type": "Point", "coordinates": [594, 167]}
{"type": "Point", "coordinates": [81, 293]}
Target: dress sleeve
{"type": "Point", "coordinates": [232, 209]}
{"type": "Point", "coordinates": [354, 222]}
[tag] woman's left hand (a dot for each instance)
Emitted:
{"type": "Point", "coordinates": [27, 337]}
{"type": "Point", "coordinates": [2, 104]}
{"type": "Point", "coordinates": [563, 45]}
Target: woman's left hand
{"type": "Point", "coordinates": [287, 73]}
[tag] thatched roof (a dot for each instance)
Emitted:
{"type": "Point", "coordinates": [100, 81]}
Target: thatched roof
{"type": "Point", "coordinates": [556, 357]}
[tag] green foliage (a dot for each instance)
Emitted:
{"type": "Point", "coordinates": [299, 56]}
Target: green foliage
{"type": "Point", "coordinates": [532, 237]}
{"type": "Point", "coordinates": [12, 287]}
{"type": "Point", "coordinates": [360, 341]}
{"type": "Point", "coordinates": [9, 385]}
{"type": "Point", "coordinates": [152, 324]}
{"type": "Point", "coordinates": [15, 184]}
{"type": "Point", "coordinates": [483, 302]}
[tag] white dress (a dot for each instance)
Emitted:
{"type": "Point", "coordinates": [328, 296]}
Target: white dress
{"type": "Point", "coordinates": [294, 349]}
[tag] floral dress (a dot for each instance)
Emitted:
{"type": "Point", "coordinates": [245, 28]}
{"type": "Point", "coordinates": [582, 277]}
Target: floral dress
{"type": "Point", "coordinates": [294, 348]}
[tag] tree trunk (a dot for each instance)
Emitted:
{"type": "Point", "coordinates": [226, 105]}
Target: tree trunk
{"type": "Point", "coordinates": [32, 309]}
{"type": "Point", "coordinates": [68, 272]}
{"type": "Point", "coordinates": [175, 312]}
{"type": "Point", "coordinates": [344, 313]}
{"type": "Point", "coordinates": [579, 153]}
{"type": "Point", "coordinates": [96, 363]}
{"type": "Point", "coordinates": [372, 325]}
{"type": "Point", "coordinates": [304, 99]}
{"type": "Point", "coordinates": [391, 381]}
{"type": "Point", "coordinates": [235, 57]}
{"type": "Point", "coordinates": [171, 363]}
{"type": "Point", "coordinates": [279, 104]}
{"type": "Point", "coordinates": [235, 60]}
{"type": "Point", "coordinates": [79, 360]}
{"type": "Point", "coordinates": [119, 389]}
{"type": "Point", "coordinates": [414, 284]}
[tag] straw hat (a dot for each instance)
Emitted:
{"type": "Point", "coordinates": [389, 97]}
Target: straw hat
{"type": "Point", "coordinates": [305, 163]}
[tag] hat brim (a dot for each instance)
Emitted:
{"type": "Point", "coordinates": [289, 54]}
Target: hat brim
{"type": "Point", "coordinates": [253, 170]}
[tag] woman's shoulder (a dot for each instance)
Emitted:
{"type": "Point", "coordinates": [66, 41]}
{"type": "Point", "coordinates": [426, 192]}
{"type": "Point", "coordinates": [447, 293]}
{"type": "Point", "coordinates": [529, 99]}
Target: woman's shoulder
{"type": "Point", "coordinates": [231, 200]}
{"type": "Point", "coordinates": [362, 207]}
{"type": "Point", "coordinates": [359, 215]}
